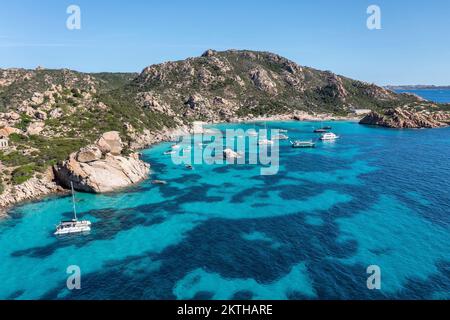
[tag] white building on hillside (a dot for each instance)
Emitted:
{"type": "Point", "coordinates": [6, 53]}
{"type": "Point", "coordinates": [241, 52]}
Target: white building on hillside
{"type": "Point", "coordinates": [3, 143]}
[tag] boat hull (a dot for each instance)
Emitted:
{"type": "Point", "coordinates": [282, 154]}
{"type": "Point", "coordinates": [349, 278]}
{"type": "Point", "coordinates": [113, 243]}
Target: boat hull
{"type": "Point", "coordinates": [303, 146]}
{"type": "Point", "coordinates": [76, 227]}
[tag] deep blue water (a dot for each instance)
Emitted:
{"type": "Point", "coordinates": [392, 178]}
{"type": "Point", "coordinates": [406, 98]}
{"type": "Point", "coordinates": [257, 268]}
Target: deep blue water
{"type": "Point", "coordinates": [436, 95]}
{"type": "Point", "coordinates": [375, 197]}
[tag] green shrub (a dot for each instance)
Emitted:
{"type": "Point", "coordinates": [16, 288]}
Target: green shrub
{"type": "Point", "coordinates": [25, 120]}
{"type": "Point", "coordinates": [14, 159]}
{"type": "Point", "coordinates": [23, 173]}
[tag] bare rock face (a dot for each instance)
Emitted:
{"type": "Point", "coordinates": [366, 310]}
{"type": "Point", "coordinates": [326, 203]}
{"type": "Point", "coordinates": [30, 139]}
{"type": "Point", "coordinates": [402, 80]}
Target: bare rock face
{"type": "Point", "coordinates": [35, 128]}
{"type": "Point", "coordinates": [7, 131]}
{"type": "Point", "coordinates": [196, 102]}
{"type": "Point", "coordinates": [100, 168]}
{"type": "Point", "coordinates": [154, 102]}
{"type": "Point", "coordinates": [209, 53]}
{"type": "Point", "coordinates": [37, 98]}
{"type": "Point", "coordinates": [262, 80]}
{"type": "Point", "coordinates": [12, 116]}
{"type": "Point", "coordinates": [110, 142]}
{"type": "Point", "coordinates": [336, 83]}
{"type": "Point", "coordinates": [56, 113]}
{"type": "Point", "coordinates": [406, 118]}
{"type": "Point", "coordinates": [295, 81]}
{"type": "Point", "coordinates": [89, 154]}
{"type": "Point", "coordinates": [104, 175]}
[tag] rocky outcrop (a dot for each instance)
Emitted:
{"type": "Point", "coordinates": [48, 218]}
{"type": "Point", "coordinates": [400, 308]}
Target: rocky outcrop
{"type": "Point", "coordinates": [262, 80]}
{"type": "Point", "coordinates": [100, 168]}
{"type": "Point", "coordinates": [154, 102]}
{"type": "Point", "coordinates": [7, 131]}
{"type": "Point", "coordinates": [10, 116]}
{"type": "Point", "coordinates": [89, 154]}
{"type": "Point", "coordinates": [196, 102]}
{"type": "Point", "coordinates": [209, 53]}
{"type": "Point", "coordinates": [336, 87]}
{"type": "Point", "coordinates": [407, 118]}
{"type": "Point", "coordinates": [35, 128]}
{"type": "Point", "coordinates": [30, 190]}
{"type": "Point", "coordinates": [56, 113]}
{"type": "Point", "coordinates": [110, 142]}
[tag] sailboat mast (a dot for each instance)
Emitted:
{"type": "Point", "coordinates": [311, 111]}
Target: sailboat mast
{"type": "Point", "coordinates": [73, 201]}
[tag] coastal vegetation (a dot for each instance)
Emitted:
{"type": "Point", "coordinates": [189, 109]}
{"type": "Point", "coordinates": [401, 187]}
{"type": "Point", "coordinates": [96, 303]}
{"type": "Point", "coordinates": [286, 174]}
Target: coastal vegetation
{"type": "Point", "coordinates": [49, 114]}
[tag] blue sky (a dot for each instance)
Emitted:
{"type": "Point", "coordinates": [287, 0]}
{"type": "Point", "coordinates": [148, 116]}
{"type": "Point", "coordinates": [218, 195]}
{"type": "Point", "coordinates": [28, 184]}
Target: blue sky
{"type": "Point", "coordinates": [412, 47]}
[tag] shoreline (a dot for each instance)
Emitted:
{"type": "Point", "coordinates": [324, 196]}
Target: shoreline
{"type": "Point", "coordinates": [300, 116]}
{"type": "Point", "coordinates": [38, 189]}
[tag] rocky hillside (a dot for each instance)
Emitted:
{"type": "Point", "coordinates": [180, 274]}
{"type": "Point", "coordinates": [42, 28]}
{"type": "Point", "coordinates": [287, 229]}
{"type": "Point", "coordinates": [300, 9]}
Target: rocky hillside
{"type": "Point", "coordinates": [48, 114]}
{"type": "Point", "coordinates": [224, 85]}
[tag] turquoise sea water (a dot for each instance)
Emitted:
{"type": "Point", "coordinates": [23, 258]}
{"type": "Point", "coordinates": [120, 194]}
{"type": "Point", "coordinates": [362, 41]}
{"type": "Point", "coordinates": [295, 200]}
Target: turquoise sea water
{"type": "Point", "coordinates": [436, 95]}
{"type": "Point", "coordinates": [375, 197]}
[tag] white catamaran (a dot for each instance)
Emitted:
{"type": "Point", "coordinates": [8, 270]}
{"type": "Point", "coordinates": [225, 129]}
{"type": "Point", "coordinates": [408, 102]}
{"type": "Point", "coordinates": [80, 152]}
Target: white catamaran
{"type": "Point", "coordinates": [73, 226]}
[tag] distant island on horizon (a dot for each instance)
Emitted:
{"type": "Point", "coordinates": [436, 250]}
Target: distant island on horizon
{"type": "Point", "coordinates": [416, 87]}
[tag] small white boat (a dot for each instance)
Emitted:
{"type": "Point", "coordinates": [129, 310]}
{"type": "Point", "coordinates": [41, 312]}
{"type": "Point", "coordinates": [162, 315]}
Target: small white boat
{"type": "Point", "coordinates": [303, 144]}
{"type": "Point", "coordinates": [280, 137]}
{"type": "Point", "coordinates": [176, 146]}
{"type": "Point", "coordinates": [265, 142]}
{"type": "Point", "coordinates": [73, 226]}
{"type": "Point", "coordinates": [167, 153]}
{"type": "Point", "coordinates": [252, 133]}
{"type": "Point", "coordinates": [329, 136]}
{"type": "Point", "coordinates": [282, 131]}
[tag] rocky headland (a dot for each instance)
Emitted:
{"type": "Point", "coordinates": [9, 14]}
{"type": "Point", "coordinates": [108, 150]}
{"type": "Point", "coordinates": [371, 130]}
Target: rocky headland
{"type": "Point", "coordinates": [407, 118]}
{"type": "Point", "coordinates": [101, 167]}
{"type": "Point", "coordinates": [52, 119]}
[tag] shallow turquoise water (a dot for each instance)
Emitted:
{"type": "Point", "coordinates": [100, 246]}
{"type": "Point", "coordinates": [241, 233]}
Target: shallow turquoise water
{"type": "Point", "coordinates": [375, 197]}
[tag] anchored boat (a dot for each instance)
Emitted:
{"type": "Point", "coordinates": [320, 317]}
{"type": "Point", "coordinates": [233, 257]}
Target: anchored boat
{"type": "Point", "coordinates": [73, 226]}
{"type": "Point", "coordinates": [303, 144]}
{"type": "Point", "coordinates": [280, 137]}
{"type": "Point", "coordinates": [323, 129]}
{"type": "Point", "coordinates": [329, 136]}
{"type": "Point", "coordinates": [265, 142]}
